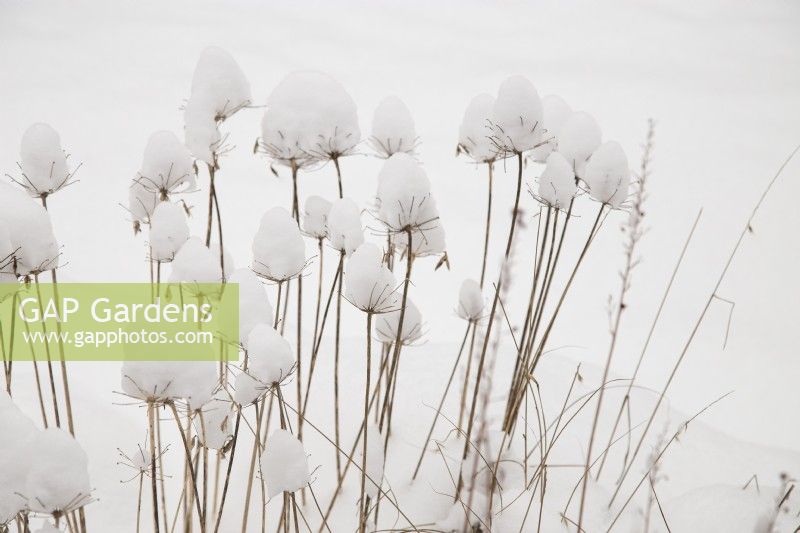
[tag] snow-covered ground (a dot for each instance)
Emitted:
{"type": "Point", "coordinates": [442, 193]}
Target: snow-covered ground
{"type": "Point", "coordinates": [721, 78]}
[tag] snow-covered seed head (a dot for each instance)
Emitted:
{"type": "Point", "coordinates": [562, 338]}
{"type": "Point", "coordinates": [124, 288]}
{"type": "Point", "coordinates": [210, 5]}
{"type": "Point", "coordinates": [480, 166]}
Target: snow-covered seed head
{"type": "Point", "coordinates": [429, 240]}
{"type": "Point", "coordinates": [404, 196]}
{"type": "Point", "coordinates": [315, 217]}
{"type": "Point", "coordinates": [15, 457]}
{"type": "Point", "coordinates": [310, 117]}
{"type": "Point", "coordinates": [271, 359]}
{"type": "Point", "coordinates": [137, 460]}
{"type": "Point", "coordinates": [58, 480]}
{"type": "Point", "coordinates": [579, 137]}
{"type": "Point", "coordinates": [386, 325]}
{"type": "Point", "coordinates": [607, 174]}
{"type": "Point", "coordinates": [284, 464]}
{"type": "Point", "coordinates": [163, 381]}
{"type": "Point", "coordinates": [195, 263]}
{"type": "Point", "coordinates": [167, 166]}
{"type": "Point", "coordinates": [219, 89]}
{"type": "Point", "coordinates": [557, 184]}
{"type": "Point", "coordinates": [168, 231]}
{"type": "Point", "coordinates": [393, 128]}
{"type": "Point", "coordinates": [474, 135]}
{"type": "Point", "coordinates": [278, 247]}
{"type": "Point", "coordinates": [555, 113]}
{"type": "Point", "coordinates": [254, 305]}
{"type": "Point", "coordinates": [30, 232]}
{"type": "Point", "coordinates": [369, 285]}
{"type": "Point", "coordinates": [142, 201]}
{"type": "Point", "coordinates": [470, 301]}
{"type": "Point", "coordinates": [7, 263]}
{"type": "Point", "coordinates": [214, 430]}
{"type": "Point", "coordinates": [43, 162]}
{"type": "Point", "coordinates": [516, 116]}
{"type": "Point", "coordinates": [344, 226]}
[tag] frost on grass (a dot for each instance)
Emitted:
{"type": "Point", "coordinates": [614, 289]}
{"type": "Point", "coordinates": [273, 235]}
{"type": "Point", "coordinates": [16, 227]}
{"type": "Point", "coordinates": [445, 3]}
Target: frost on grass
{"type": "Point", "coordinates": [254, 305]}
{"type": "Point", "coordinates": [393, 129]}
{"type": "Point", "coordinates": [386, 326]}
{"type": "Point", "coordinates": [168, 231]}
{"type": "Point", "coordinates": [219, 89]}
{"type": "Point", "coordinates": [30, 230]}
{"type": "Point", "coordinates": [517, 116]}
{"type": "Point", "coordinates": [167, 166]}
{"type": "Point", "coordinates": [284, 464]}
{"type": "Point", "coordinates": [475, 131]}
{"type": "Point", "coordinates": [369, 285]}
{"type": "Point", "coordinates": [309, 117]}
{"type": "Point", "coordinates": [344, 226]}
{"type": "Point", "coordinates": [279, 252]}
{"type": "Point", "coordinates": [555, 112]}
{"type": "Point", "coordinates": [607, 174]}
{"type": "Point", "coordinates": [470, 300]}
{"type": "Point", "coordinates": [315, 217]}
{"type": "Point", "coordinates": [270, 362]}
{"type": "Point", "coordinates": [557, 185]}
{"type": "Point", "coordinates": [43, 161]}
{"type": "Point", "coordinates": [580, 136]}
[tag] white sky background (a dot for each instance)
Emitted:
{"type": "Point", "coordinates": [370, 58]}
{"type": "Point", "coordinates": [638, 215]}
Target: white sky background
{"type": "Point", "coordinates": [721, 78]}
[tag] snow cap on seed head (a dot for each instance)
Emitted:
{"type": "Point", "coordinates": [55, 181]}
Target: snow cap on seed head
{"type": "Point", "coordinates": [555, 112]}
{"type": "Point", "coordinates": [214, 429]}
{"type": "Point", "coordinates": [168, 231]}
{"type": "Point", "coordinates": [279, 252]}
{"type": "Point", "coordinates": [271, 361]}
{"type": "Point", "coordinates": [474, 135]}
{"type": "Point", "coordinates": [219, 89]}
{"type": "Point", "coordinates": [58, 480]}
{"type": "Point", "coordinates": [284, 464]}
{"type": "Point", "coordinates": [167, 165]}
{"type": "Point", "coordinates": [579, 137]}
{"type": "Point", "coordinates": [160, 381]}
{"type": "Point", "coordinates": [309, 117]}
{"type": "Point", "coordinates": [344, 226]}
{"type": "Point", "coordinates": [470, 300]}
{"type": "Point", "coordinates": [315, 217]}
{"type": "Point", "coordinates": [387, 325]}
{"type": "Point", "coordinates": [607, 174]}
{"type": "Point", "coordinates": [369, 285]}
{"type": "Point", "coordinates": [30, 229]}
{"type": "Point", "coordinates": [195, 263]}
{"type": "Point", "coordinates": [43, 161]}
{"type": "Point", "coordinates": [142, 201]}
{"type": "Point", "coordinates": [430, 240]}
{"type": "Point", "coordinates": [393, 128]}
{"type": "Point", "coordinates": [517, 116]}
{"type": "Point", "coordinates": [254, 305]}
{"type": "Point", "coordinates": [404, 194]}
{"type": "Point", "coordinates": [557, 184]}
{"type": "Point", "coordinates": [15, 457]}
